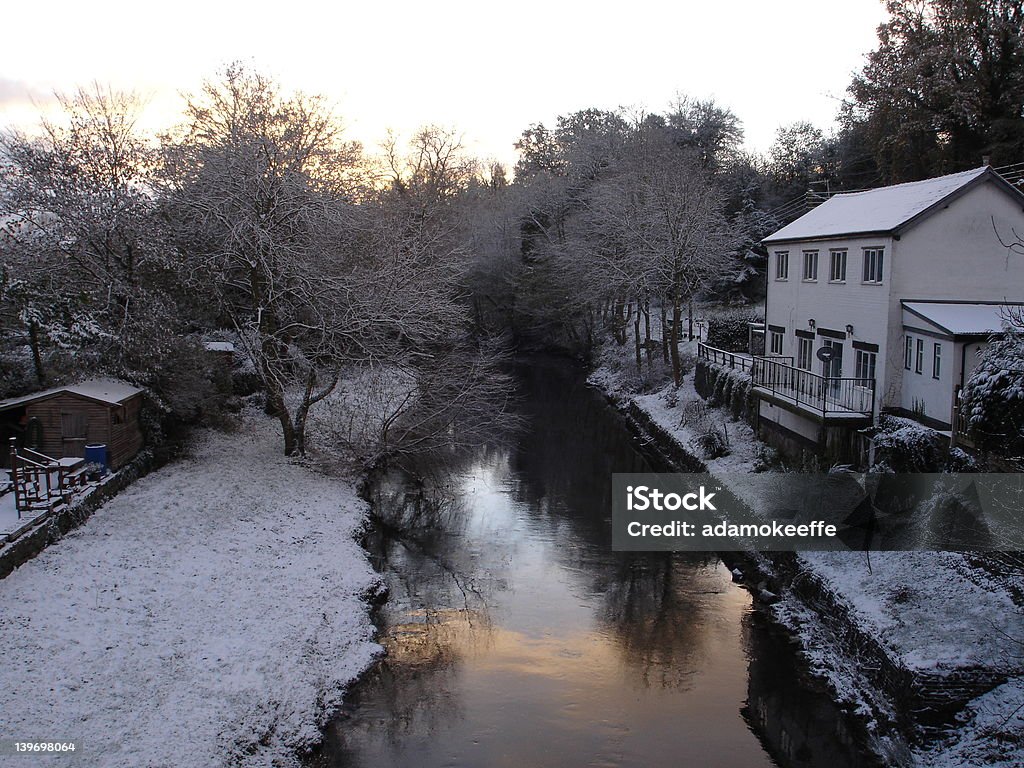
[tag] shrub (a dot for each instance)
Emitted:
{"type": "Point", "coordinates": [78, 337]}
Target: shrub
{"type": "Point", "coordinates": [729, 330]}
{"type": "Point", "coordinates": [712, 442]}
{"type": "Point", "coordinates": [904, 445]}
{"type": "Point", "coordinates": [993, 397]}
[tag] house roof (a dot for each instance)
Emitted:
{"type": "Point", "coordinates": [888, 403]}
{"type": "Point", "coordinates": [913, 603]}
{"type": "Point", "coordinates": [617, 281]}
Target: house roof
{"type": "Point", "coordinates": [883, 210]}
{"type": "Point", "coordinates": [108, 391]}
{"type": "Point", "coordinates": [961, 318]}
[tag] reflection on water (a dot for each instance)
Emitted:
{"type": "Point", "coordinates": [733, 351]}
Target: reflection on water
{"type": "Point", "coordinates": [516, 637]}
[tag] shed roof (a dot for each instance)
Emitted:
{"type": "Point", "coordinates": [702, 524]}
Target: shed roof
{"type": "Point", "coordinates": [107, 391]}
{"type": "Point", "coordinates": [882, 210]}
{"type": "Point", "coordinates": [962, 318]}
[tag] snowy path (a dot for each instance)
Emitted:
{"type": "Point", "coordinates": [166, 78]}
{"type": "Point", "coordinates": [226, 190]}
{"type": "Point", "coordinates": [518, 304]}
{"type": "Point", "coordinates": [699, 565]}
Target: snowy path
{"type": "Point", "coordinates": [205, 616]}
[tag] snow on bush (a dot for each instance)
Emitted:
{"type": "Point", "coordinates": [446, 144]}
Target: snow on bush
{"type": "Point", "coordinates": [993, 397]}
{"type": "Point", "coordinates": [729, 330]}
{"type": "Point", "coordinates": [904, 445]}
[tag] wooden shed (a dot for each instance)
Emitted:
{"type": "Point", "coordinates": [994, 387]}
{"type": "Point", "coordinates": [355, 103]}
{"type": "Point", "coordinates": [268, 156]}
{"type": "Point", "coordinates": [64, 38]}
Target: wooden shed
{"type": "Point", "coordinates": [61, 421]}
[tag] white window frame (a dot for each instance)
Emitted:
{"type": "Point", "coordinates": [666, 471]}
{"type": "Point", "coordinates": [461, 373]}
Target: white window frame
{"type": "Point", "coordinates": [810, 273]}
{"type": "Point", "coordinates": [873, 265]}
{"type": "Point", "coordinates": [936, 360]}
{"type": "Point", "coordinates": [908, 355]}
{"type": "Point", "coordinates": [919, 357]}
{"type": "Point", "coordinates": [773, 337]}
{"type": "Point", "coordinates": [866, 364]}
{"type": "Point", "coordinates": [837, 265]}
{"type": "Point", "coordinates": [782, 265]}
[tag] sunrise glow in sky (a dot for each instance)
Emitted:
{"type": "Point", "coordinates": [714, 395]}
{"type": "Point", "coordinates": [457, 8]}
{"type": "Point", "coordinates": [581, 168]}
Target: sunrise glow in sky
{"type": "Point", "coordinates": [487, 68]}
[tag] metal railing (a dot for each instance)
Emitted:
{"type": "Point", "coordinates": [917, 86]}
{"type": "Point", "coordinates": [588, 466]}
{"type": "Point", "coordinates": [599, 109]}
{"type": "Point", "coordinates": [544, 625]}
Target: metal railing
{"type": "Point", "coordinates": [739, 361]}
{"type": "Point", "coordinates": [827, 395]}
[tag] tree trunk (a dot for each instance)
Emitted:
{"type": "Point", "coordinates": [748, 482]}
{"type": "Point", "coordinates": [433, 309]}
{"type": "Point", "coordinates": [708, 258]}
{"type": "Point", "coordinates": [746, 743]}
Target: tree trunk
{"type": "Point", "coordinates": [37, 357]}
{"type": "Point", "coordinates": [689, 313]}
{"type": "Point", "coordinates": [647, 330]}
{"type": "Point", "coordinates": [277, 408]}
{"type": "Point", "coordinates": [664, 331]}
{"type": "Point", "coordinates": [673, 347]}
{"type": "Point", "coordinates": [636, 340]}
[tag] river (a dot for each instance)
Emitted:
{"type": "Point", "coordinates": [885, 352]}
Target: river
{"type": "Point", "coordinates": [516, 637]}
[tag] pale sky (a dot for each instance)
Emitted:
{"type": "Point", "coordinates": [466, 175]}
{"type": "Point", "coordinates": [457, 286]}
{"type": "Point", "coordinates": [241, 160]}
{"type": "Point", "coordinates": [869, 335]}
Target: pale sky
{"type": "Point", "coordinates": [487, 69]}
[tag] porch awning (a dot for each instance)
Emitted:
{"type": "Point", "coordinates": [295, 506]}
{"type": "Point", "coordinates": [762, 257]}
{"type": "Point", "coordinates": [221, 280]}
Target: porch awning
{"type": "Point", "coordinates": [957, 318]}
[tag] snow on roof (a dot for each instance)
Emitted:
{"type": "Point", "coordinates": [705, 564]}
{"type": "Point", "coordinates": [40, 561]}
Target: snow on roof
{"type": "Point", "coordinates": [110, 391]}
{"type": "Point", "coordinates": [877, 210]}
{"type": "Point", "coordinates": [958, 318]}
{"type": "Point", "coordinates": [218, 346]}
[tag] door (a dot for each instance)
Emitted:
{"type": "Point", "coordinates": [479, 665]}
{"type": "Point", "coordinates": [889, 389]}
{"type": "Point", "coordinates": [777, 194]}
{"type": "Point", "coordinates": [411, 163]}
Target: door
{"type": "Point", "coordinates": [833, 369]}
{"type": "Point", "coordinates": [74, 433]}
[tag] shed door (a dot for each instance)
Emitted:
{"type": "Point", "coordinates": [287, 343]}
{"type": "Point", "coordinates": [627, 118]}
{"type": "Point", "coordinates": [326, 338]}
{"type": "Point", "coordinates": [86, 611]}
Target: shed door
{"type": "Point", "coordinates": [74, 433]}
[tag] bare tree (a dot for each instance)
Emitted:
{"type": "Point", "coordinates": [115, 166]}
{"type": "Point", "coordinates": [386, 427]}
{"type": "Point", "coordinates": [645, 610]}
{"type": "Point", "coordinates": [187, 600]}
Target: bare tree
{"type": "Point", "coordinates": [263, 186]}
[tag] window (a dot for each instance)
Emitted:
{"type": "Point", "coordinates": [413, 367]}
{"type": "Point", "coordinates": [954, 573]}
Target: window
{"type": "Point", "coordinates": [837, 270]}
{"type": "Point", "coordinates": [936, 360]}
{"type": "Point", "coordinates": [865, 367]}
{"type": "Point", "coordinates": [919, 359]}
{"type": "Point", "coordinates": [810, 265]}
{"type": "Point", "coordinates": [873, 265]}
{"type": "Point", "coordinates": [805, 351]}
{"type": "Point", "coordinates": [776, 343]}
{"type": "Point", "coordinates": [782, 265]}
{"type": "Point", "coordinates": [908, 356]}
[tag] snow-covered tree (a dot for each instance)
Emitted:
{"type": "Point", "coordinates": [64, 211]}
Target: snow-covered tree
{"type": "Point", "coordinates": [261, 187]}
{"type": "Point", "coordinates": [992, 401]}
{"type": "Point", "coordinates": [88, 274]}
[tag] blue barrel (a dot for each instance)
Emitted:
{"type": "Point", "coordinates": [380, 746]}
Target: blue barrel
{"type": "Point", "coordinates": [96, 453]}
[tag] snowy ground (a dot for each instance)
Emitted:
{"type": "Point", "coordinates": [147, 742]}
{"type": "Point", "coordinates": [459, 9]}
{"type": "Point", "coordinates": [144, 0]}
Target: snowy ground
{"type": "Point", "coordinates": [921, 606]}
{"type": "Point", "coordinates": [208, 615]}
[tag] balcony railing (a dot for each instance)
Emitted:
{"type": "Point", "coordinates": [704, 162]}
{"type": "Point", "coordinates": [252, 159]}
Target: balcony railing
{"type": "Point", "coordinates": [739, 361]}
{"type": "Point", "coordinates": [829, 396]}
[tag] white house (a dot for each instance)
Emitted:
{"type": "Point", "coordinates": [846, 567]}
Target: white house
{"type": "Point", "coordinates": [897, 289]}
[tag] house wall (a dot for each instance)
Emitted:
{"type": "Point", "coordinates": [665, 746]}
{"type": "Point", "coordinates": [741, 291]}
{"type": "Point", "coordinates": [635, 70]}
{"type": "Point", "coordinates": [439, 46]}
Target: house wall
{"type": "Point", "coordinates": [833, 306]}
{"type": "Point", "coordinates": [955, 254]}
{"type": "Point", "coordinates": [802, 426]}
{"type": "Point", "coordinates": [952, 255]}
{"type": "Point", "coordinates": [921, 392]}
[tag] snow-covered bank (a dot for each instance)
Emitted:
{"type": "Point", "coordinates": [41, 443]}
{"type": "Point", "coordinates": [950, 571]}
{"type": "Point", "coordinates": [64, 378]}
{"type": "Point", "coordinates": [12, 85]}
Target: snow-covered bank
{"type": "Point", "coordinates": [932, 614]}
{"type": "Point", "coordinates": [209, 615]}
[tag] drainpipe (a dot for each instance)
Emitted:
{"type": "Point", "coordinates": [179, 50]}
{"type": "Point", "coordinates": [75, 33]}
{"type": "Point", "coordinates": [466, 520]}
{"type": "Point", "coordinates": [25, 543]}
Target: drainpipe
{"type": "Point", "coordinates": [963, 361]}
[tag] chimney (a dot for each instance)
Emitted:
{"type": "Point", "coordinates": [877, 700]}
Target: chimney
{"type": "Point", "coordinates": [986, 160]}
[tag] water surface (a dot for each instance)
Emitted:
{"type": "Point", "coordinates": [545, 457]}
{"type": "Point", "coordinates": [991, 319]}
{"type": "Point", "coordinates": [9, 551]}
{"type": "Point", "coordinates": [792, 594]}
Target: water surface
{"type": "Point", "coordinates": [516, 637]}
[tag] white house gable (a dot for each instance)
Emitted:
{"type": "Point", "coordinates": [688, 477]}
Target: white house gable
{"type": "Point", "coordinates": [899, 283]}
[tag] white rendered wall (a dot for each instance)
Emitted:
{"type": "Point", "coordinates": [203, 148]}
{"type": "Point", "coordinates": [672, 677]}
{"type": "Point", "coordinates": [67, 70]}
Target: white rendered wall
{"type": "Point", "coordinates": [791, 303]}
